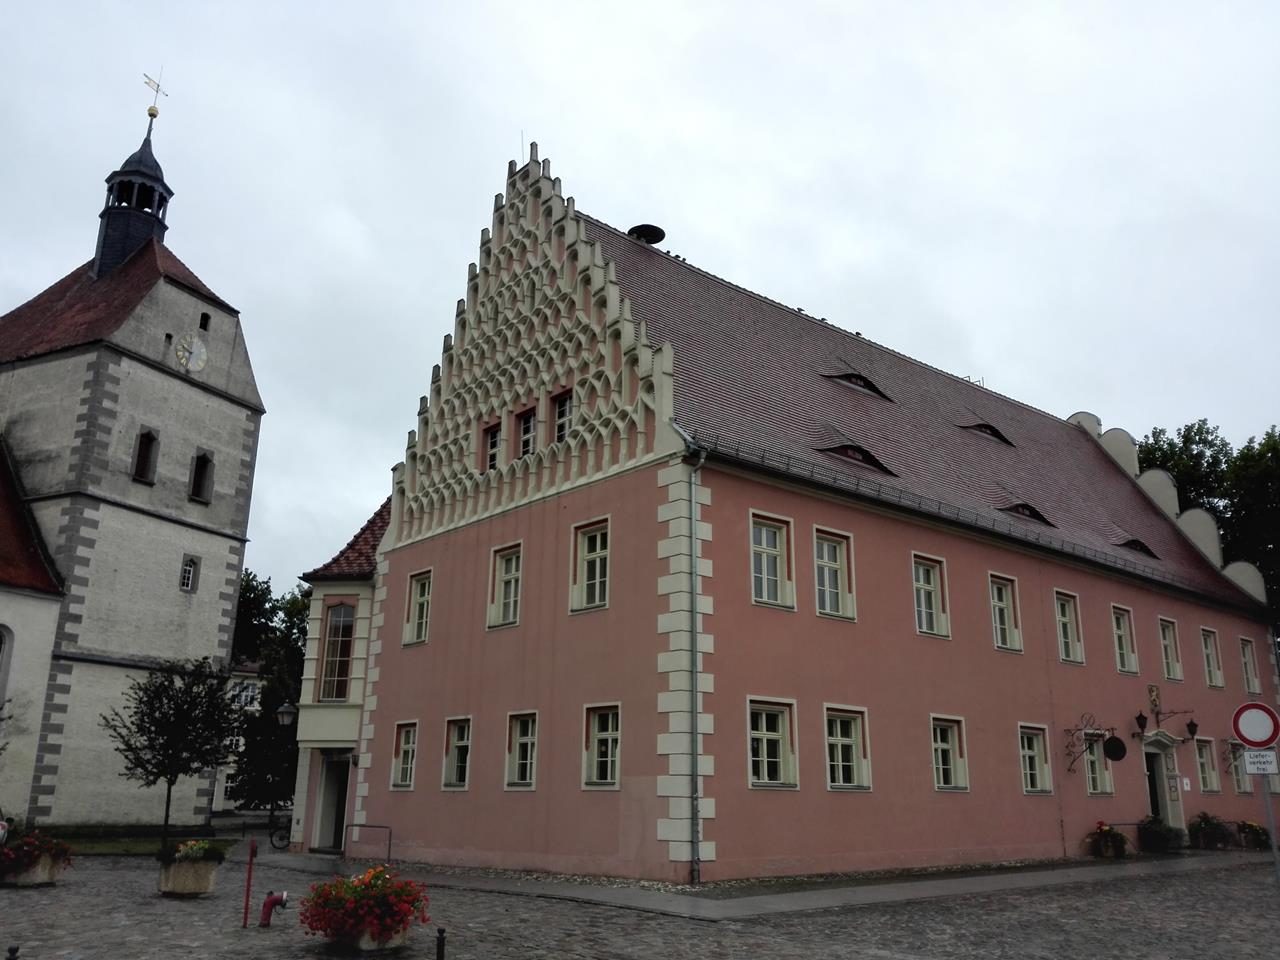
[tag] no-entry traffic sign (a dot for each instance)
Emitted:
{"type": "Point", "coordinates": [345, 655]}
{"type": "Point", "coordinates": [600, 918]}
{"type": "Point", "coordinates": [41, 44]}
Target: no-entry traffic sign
{"type": "Point", "coordinates": [1256, 725]}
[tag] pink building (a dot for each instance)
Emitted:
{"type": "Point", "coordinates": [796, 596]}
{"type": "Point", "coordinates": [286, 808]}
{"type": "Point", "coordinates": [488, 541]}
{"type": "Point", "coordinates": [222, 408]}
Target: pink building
{"type": "Point", "coordinates": [675, 580]}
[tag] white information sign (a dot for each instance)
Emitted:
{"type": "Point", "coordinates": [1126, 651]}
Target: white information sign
{"type": "Point", "coordinates": [1260, 762]}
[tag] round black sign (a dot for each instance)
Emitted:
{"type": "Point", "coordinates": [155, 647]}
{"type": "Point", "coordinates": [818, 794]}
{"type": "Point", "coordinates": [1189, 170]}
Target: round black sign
{"type": "Point", "coordinates": [1113, 748]}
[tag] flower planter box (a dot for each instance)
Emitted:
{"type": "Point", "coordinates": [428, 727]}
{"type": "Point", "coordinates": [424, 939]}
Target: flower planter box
{"type": "Point", "coordinates": [190, 878]}
{"type": "Point", "coordinates": [366, 943]}
{"type": "Point", "coordinates": [43, 873]}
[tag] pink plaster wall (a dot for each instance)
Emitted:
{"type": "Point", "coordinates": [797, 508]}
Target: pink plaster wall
{"type": "Point", "coordinates": [900, 677]}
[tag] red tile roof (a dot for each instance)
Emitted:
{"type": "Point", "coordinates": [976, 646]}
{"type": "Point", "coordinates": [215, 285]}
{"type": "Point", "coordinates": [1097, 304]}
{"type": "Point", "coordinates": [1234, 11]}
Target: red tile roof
{"type": "Point", "coordinates": [757, 381]}
{"type": "Point", "coordinates": [24, 561]}
{"type": "Point", "coordinates": [81, 308]}
{"type": "Point", "coordinates": [358, 559]}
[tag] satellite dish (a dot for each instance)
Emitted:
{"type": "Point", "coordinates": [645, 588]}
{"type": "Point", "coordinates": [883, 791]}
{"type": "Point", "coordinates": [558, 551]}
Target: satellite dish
{"type": "Point", "coordinates": [647, 233]}
{"type": "Point", "coordinates": [1113, 748]}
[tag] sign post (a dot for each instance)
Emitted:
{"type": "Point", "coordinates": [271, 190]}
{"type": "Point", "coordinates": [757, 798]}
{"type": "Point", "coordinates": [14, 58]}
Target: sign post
{"type": "Point", "coordinates": [1257, 726]}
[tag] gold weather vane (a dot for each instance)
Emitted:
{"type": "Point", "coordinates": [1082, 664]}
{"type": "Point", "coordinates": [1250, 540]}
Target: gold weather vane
{"type": "Point", "coordinates": [155, 85]}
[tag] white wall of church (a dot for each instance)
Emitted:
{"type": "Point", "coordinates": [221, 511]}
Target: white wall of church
{"type": "Point", "coordinates": [39, 402]}
{"type": "Point", "coordinates": [27, 622]}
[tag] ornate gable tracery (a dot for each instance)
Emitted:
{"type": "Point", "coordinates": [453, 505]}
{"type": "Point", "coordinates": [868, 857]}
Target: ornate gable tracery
{"type": "Point", "coordinates": [543, 316]}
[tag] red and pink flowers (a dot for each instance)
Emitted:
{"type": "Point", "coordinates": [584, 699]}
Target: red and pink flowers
{"type": "Point", "coordinates": [376, 903]}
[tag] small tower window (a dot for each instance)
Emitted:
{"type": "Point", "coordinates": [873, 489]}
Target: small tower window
{"type": "Point", "coordinates": [202, 478]}
{"type": "Point", "coordinates": [204, 321]}
{"type": "Point", "coordinates": [146, 453]}
{"type": "Point", "coordinates": [189, 574]}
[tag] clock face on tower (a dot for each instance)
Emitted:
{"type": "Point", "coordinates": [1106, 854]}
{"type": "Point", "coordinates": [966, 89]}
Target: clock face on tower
{"type": "Point", "coordinates": [191, 353]}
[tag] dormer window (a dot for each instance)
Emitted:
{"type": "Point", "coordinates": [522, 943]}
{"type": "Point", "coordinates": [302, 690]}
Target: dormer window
{"type": "Point", "coordinates": [859, 455]}
{"type": "Point", "coordinates": [1137, 546]}
{"type": "Point", "coordinates": [858, 382]}
{"type": "Point", "coordinates": [987, 430]}
{"type": "Point", "coordinates": [1027, 512]}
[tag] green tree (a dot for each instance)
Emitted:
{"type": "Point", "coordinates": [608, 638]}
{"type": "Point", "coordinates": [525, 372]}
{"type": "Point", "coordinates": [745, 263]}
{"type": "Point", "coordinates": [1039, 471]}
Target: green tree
{"type": "Point", "coordinates": [177, 722]}
{"type": "Point", "coordinates": [256, 615]}
{"type": "Point", "coordinates": [1197, 457]}
{"type": "Point", "coordinates": [1253, 490]}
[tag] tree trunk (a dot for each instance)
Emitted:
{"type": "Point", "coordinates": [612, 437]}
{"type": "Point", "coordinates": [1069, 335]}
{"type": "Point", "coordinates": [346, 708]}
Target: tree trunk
{"type": "Point", "coordinates": [164, 830]}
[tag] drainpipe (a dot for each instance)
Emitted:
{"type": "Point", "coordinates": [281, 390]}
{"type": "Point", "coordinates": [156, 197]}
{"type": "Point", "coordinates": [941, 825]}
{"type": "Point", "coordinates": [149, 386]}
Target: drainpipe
{"type": "Point", "coordinates": [696, 456]}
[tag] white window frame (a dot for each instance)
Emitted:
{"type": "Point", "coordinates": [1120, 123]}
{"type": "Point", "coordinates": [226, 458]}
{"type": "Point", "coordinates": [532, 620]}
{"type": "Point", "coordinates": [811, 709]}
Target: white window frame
{"type": "Point", "coordinates": [492, 436]}
{"type": "Point", "coordinates": [1207, 773]}
{"type": "Point", "coordinates": [591, 741]}
{"type": "Point", "coordinates": [1118, 639]}
{"type": "Point", "coordinates": [861, 744]}
{"type": "Point", "coordinates": [451, 745]}
{"type": "Point", "coordinates": [404, 751]}
{"type": "Point", "coordinates": [1170, 666]}
{"type": "Point", "coordinates": [527, 431]}
{"type": "Point", "coordinates": [1209, 644]}
{"type": "Point", "coordinates": [784, 554]}
{"type": "Point", "coordinates": [1013, 629]}
{"type": "Point", "coordinates": [1077, 638]}
{"type": "Point", "coordinates": [941, 620]}
{"type": "Point", "coordinates": [417, 609]}
{"type": "Point", "coordinates": [326, 660]}
{"type": "Point", "coordinates": [561, 416]}
{"type": "Point", "coordinates": [960, 751]}
{"type": "Point", "coordinates": [1241, 780]}
{"type": "Point", "coordinates": [499, 577]}
{"type": "Point", "coordinates": [842, 569]}
{"type": "Point", "coordinates": [512, 759]}
{"type": "Point", "coordinates": [580, 561]}
{"type": "Point", "coordinates": [1041, 732]}
{"type": "Point", "coordinates": [1249, 665]}
{"type": "Point", "coordinates": [1099, 780]}
{"type": "Point", "coordinates": [189, 574]}
{"type": "Point", "coordinates": [788, 758]}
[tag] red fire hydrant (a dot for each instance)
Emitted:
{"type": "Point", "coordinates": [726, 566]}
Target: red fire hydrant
{"type": "Point", "coordinates": [273, 902]}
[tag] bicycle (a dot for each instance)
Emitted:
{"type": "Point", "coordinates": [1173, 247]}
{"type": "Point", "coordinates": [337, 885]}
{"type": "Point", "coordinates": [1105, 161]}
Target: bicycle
{"type": "Point", "coordinates": [278, 831]}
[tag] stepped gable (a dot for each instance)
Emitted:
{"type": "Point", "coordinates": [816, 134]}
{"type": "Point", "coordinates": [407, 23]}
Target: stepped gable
{"type": "Point", "coordinates": [24, 560]}
{"type": "Point", "coordinates": [359, 558]}
{"type": "Point", "coordinates": [81, 308]}
{"type": "Point", "coordinates": [760, 380]}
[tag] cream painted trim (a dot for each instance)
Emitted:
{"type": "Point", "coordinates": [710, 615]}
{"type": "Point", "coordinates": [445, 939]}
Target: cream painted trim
{"type": "Point", "coordinates": [577, 588]}
{"type": "Point", "coordinates": [1236, 748]}
{"type": "Point", "coordinates": [1108, 772]}
{"type": "Point", "coordinates": [964, 751]}
{"type": "Point", "coordinates": [1204, 664]}
{"type": "Point", "coordinates": [1177, 645]}
{"type": "Point", "coordinates": [407, 639]}
{"type": "Point", "coordinates": [1057, 640]}
{"type": "Point", "coordinates": [397, 726]}
{"type": "Point", "coordinates": [445, 785]}
{"type": "Point", "coordinates": [493, 602]}
{"type": "Point", "coordinates": [587, 757]}
{"type": "Point", "coordinates": [1047, 758]}
{"type": "Point", "coordinates": [1016, 602]}
{"type": "Point", "coordinates": [1213, 765]}
{"type": "Point", "coordinates": [943, 615]}
{"type": "Point", "coordinates": [791, 740]}
{"type": "Point", "coordinates": [843, 708]}
{"type": "Point", "coordinates": [1133, 639]}
{"type": "Point", "coordinates": [507, 786]}
{"type": "Point", "coordinates": [849, 586]}
{"type": "Point", "coordinates": [786, 584]}
{"type": "Point", "coordinates": [1256, 686]}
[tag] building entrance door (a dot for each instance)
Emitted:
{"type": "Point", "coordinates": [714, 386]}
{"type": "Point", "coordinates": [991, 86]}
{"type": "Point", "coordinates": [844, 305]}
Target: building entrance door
{"type": "Point", "coordinates": [332, 820]}
{"type": "Point", "coordinates": [1154, 783]}
{"type": "Point", "coordinates": [1163, 791]}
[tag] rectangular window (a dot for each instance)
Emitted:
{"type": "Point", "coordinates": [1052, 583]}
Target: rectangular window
{"type": "Point", "coordinates": [145, 456]}
{"type": "Point", "coordinates": [1122, 629]}
{"type": "Point", "coordinates": [1212, 658]}
{"type": "Point", "coordinates": [832, 558]}
{"type": "Point", "coordinates": [1249, 664]}
{"type": "Point", "coordinates": [1169, 650]}
{"type": "Point", "coordinates": [1239, 778]}
{"type": "Point", "coordinates": [522, 749]}
{"type": "Point", "coordinates": [1207, 764]}
{"type": "Point", "coordinates": [770, 563]}
{"type": "Point", "coordinates": [339, 633]}
{"type": "Point", "coordinates": [504, 604]}
{"type": "Point", "coordinates": [419, 613]}
{"type": "Point", "coordinates": [1097, 768]}
{"type": "Point", "coordinates": [1004, 614]}
{"type": "Point", "coordinates": [189, 574]}
{"type": "Point", "coordinates": [457, 756]}
{"type": "Point", "coordinates": [406, 753]}
{"type": "Point", "coordinates": [771, 755]}
{"type": "Point", "coordinates": [848, 764]}
{"type": "Point", "coordinates": [201, 487]}
{"type": "Point", "coordinates": [1067, 612]}
{"type": "Point", "coordinates": [591, 574]}
{"type": "Point", "coordinates": [949, 766]}
{"type": "Point", "coordinates": [528, 424]}
{"type": "Point", "coordinates": [1034, 753]}
{"type": "Point", "coordinates": [492, 446]}
{"type": "Point", "coordinates": [563, 409]}
{"type": "Point", "coordinates": [604, 736]}
{"type": "Point", "coordinates": [930, 596]}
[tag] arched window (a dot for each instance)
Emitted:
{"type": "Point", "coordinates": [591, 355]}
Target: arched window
{"type": "Point", "coordinates": [189, 575]}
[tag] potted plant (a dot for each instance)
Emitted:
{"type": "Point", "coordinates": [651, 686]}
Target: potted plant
{"type": "Point", "coordinates": [1207, 832]}
{"type": "Point", "coordinates": [372, 911]}
{"type": "Point", "coordinates": [32, 860]}
{"type": "Point", "coordinates": [190, 869]}
{"type": "Point", "coordinates": [1156, 836]}
{"type": "Point", "coordinates": [1107, 841]}
{"type": "Point", "coordinates": [1254, 836]}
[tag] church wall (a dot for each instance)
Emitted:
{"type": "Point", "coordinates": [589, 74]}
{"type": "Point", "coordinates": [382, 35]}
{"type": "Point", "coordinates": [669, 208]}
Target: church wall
{"type": "Point", "coordinates": [40, 401]}
{"type": "Point", "coordinates": [27, 623]}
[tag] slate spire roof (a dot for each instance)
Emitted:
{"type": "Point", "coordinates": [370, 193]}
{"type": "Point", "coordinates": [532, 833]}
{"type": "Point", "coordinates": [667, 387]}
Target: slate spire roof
{"type": "Point", "coordinates": [143, 161]}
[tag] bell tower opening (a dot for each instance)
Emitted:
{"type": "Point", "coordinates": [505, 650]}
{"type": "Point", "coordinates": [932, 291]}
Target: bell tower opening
{"type": "Point", "coordinates": [136, 205]}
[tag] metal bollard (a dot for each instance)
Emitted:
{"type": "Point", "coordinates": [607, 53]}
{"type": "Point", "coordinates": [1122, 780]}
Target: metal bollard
{"type": "Point", "coordinates": [439, 943]}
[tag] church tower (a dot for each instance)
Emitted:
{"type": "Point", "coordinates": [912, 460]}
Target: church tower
{"type": "Point", "coordinates": [129, 406]}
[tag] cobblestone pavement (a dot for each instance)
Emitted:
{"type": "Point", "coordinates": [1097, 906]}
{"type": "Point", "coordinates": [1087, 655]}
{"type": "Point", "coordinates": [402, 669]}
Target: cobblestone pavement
{"type": "Point", "coordinates": [107, 909]}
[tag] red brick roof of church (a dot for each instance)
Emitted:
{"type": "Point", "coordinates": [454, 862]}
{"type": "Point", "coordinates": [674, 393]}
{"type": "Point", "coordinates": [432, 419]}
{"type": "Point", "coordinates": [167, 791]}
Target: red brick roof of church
{"type": "Point", "coordinates": [760, 383]}
{"type": "Point", "coordinates": [359, 558]}
{"type": "Point", "coordinates": [24, 560]}
{"type": "Point", "coordinates": [81, 308]}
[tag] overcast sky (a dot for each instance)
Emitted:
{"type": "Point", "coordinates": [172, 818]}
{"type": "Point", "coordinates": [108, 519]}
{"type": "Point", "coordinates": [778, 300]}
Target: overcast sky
{"type": "Point", "coordinates": [1076, 202]}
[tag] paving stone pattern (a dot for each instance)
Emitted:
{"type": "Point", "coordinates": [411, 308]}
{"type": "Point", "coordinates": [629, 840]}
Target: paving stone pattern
{"type": "Point", "coordinates": [107, 909]}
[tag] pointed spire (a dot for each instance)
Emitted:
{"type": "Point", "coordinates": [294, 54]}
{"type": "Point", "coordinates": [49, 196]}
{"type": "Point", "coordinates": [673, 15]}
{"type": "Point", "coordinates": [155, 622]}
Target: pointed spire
{"type": "Point", "coordinates": [136, 206]}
